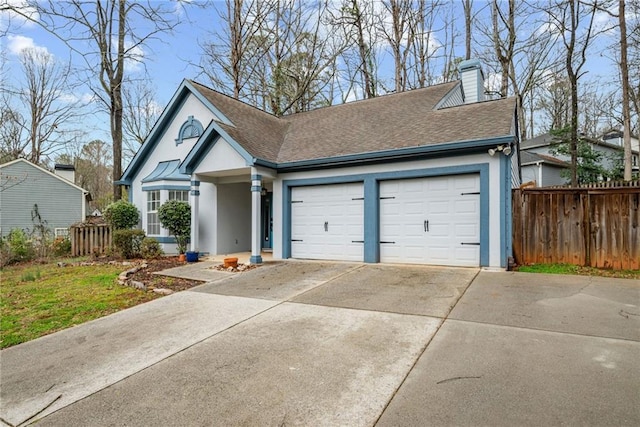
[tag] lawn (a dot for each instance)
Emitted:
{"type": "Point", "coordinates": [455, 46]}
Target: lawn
{"type": "Point", "coordinates": [38, 299]}
{"type": "Point", "coordinates": [576, 269]}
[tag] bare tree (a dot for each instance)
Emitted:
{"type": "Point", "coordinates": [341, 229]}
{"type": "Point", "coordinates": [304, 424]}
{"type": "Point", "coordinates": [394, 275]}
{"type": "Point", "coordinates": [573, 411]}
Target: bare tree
{"type": "Point", "coordinates": [279, 55]}
{"type": "Point", "coordinates": [553, 101]}
{"type": "Point", "coordinates": [467, 7]}
{"type": "Point", "coordinates": [358, 20]}
{"type": "Point", "coordinates": [47, 101]}
{"type": "Point", "coordinates": [12, 143]}
{"type": "Point", "coordinates": [421, 67]}
{"type": "Point", "coordinates": [574, 21]}
{"type": "Point", "coordinates": [231, 59]}
{"type": "Point", "coordinates": [141, 111]}
{"type": "Point", "coordinates": [111, 34]}
{"type": "Point", "coordinates": [624, 75]}
{"type": "Point", "coordinates": [399, 36]}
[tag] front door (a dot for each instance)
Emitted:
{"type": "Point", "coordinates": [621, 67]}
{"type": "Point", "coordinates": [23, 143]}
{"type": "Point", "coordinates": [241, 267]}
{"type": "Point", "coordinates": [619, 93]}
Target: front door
{"type": "Point", "coordinates": [267, 220]}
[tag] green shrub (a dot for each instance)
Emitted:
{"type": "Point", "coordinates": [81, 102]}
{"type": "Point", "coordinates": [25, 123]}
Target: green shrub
{"type": "Point", "coordinates": [150, 248]}
{"type": "Point", "coordinates": [122, 215]}
{"type": "Point", "coordinates": [61, 246]}
{"type": "Point", "coordinates": [128, 242]}
{"type": "Point", "coordinates": [17, 247]}
{"type": "Point", "coordinates": [175, 216]}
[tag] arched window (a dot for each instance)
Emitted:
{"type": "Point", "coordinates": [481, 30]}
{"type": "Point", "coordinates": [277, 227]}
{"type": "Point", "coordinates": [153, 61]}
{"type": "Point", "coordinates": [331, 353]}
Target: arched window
{"type": "Point", "coordinates": [191, 128]}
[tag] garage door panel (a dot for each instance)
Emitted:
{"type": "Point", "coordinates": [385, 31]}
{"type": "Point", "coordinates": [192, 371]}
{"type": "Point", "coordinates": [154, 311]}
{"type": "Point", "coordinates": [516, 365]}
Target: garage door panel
{"type": "Point", "coordinates": [453, 218]}
{"type": "Point", "coordinates": [325, 220]}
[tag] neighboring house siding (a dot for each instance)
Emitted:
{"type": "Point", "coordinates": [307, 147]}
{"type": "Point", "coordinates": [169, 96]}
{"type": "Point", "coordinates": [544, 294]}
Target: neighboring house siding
{"type": "Point", "coordinates": [59, 204]}
{"type": "Point", "coordinates": [543, 175]}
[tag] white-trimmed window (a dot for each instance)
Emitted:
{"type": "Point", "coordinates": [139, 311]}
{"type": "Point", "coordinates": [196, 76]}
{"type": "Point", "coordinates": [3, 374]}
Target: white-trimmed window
{"type": "Point", "coordinates": [153, 203]}
{"type": "Point", "coordinates": [61, 232]}
{"type": "Point", "coordinates": [182, 195]}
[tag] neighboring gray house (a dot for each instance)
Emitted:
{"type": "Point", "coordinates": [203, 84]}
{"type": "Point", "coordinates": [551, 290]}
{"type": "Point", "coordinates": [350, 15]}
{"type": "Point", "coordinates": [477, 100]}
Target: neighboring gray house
{"type": "Point", "coordinates": [542, 169]}
{"type": "Point", "coordinates": [422, 176]}
{"type": "Point", "coordinates": [540, 164]}
{"type": "Point", "coordinates": [615, 138]}
{"type": "Point", "coordinates": [22, 185]}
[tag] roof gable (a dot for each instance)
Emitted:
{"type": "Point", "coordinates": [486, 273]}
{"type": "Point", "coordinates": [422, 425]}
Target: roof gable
{"type": "Point", "coordinates": [169, 114]}
{"type": "Point", "coordinates": [51, 174]}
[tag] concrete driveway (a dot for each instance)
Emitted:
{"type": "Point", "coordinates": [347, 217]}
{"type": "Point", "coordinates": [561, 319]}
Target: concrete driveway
{"type": "Point", "coordinates": [311, 343]}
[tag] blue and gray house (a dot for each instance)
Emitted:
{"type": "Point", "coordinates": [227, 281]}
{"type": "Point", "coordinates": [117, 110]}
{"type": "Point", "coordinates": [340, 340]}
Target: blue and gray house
{"type": "Point", "coordinates": [423, 176]}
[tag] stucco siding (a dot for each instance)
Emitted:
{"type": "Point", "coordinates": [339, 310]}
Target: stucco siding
{"type": "Point", "coordinates": [24, 185]}
{"type": "Point", "coordinates": [234, 218]}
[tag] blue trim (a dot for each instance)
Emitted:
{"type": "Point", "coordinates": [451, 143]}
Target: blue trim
{"type": "Point", "coordinates": [195, 192]}
{"type": "Point", "coordinates": [255, 259]}
{"type": "Point", "coordinates": [164, 239]}
{"type": "Point", "coordinates": [257, 177]}
{"type": "Point", "coordinates": [204, 144]}
{"type": "Point", "coordinates": [450, 149]}
{"type": "Point", "coordinates": [256, 188]}
{"type": "Point", "coordinates": [193, 126]}
{"type": "Point", "coordinates": [129, 193]}
{"type": "Point", "coordinates": [221, 117]}
{"type": "Point", "coordinates": [157, 133]}
{"type": "Point", "coordinates": [195, 183]}
{"type": "Point", "coordinates": [371, 203]}
{"type": "Point", "coordinates": [166, 187]}
{"type": "Point", "coordinates": [371, 222]}
{"type": "Point", "coordinates": [166, 171]}
{"type": "Point", "coordinates": [506, 238]}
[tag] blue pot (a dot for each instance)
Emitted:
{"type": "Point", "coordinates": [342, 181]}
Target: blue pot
{"type": "Point", "coordinates": [192, 256]}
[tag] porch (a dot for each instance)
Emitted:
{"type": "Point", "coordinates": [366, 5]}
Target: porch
{"type": "Point", "coordinates": [231, 213]}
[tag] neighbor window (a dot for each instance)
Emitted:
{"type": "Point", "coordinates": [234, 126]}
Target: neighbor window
{"type": "Point", "coordinates": [153, 203]}
{"type": "Point", "coordinates": [182, 195]}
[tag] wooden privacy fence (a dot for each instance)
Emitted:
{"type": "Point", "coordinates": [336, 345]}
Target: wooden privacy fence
{"type": "Point", "coordinates": [597, 227]}
{"type": "Point", "coordinates": [89, 239]}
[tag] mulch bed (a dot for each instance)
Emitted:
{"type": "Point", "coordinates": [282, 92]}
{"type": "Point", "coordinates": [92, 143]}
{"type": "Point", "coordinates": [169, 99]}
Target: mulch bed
{"type": "Point", "coordinates": [151, 280]}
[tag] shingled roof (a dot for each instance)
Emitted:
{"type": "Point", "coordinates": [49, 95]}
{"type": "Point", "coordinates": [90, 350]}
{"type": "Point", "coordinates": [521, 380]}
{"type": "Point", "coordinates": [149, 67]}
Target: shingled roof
{"type": "Point", "coordinates": [402, 120]}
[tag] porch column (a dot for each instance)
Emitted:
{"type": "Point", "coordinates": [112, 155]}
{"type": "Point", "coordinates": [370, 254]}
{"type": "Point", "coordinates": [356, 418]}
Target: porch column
{"type": "Point", "coordinates": [256, 240]}
{"type": "Point", "coordinates": [194, 199]}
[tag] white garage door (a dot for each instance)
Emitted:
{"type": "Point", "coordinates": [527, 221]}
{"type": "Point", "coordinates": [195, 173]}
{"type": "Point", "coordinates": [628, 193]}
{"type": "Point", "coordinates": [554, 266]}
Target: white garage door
{"type": "Point", "coordinates": [327, 222]}
{"type": "Point", "coordinates": [431, 220]}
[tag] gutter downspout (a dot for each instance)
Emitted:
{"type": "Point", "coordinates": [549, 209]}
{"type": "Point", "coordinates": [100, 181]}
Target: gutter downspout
{"type": "Point", "coordinates": [84, 205]}
{"type": "Point", "coordinates": [539, 164]}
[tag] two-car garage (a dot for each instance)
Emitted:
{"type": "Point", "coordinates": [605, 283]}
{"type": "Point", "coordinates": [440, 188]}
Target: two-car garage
{"type": "Point", "coordinates": [430, 220]}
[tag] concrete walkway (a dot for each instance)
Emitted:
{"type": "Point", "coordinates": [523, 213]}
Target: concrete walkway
{"type": "Point", "coordinates": [311, 343]}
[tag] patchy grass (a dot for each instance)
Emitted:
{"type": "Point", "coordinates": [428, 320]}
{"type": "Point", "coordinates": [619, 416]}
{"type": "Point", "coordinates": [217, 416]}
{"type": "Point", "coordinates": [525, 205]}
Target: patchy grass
{"type": "Point", "coordinates": [36, 300]}
{"type": "Point", "coordinates": [576, 269]}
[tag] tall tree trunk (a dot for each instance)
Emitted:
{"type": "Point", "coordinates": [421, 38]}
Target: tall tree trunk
{"type": "Point", "coordinates": [624, 72]}
{"type": "Point", "coordinates": [116, 100]}
{"type": "Point", "coordinates": [467, 5]}
{"type": "Point", "coordinates": [573, 87]}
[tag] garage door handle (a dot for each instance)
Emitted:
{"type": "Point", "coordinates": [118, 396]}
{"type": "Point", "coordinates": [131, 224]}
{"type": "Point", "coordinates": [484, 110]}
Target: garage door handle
{"type": "Point", "coordinates": [326, 226]}
{"type": "Point", "coordinates": [426, 226]}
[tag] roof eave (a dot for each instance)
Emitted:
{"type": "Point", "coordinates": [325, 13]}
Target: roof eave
{"type": "Point", "coordinates": [395, 154]}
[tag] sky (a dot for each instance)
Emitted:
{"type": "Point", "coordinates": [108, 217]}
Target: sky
{"type": "Point", "coordinates": [168, 62]}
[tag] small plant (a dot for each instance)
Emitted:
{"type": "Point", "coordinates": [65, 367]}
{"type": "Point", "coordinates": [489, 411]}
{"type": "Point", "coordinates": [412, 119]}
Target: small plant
{"type": "Point", "coordinates": [61, 246]}
{"type": "Point", "coordinates": [122, 215]}
{"type": "Point", "coordinates": [17, 247]}
{"type": "Point", "coordinates": [128, 242]}
{"type": "Point", "coordinates": [175, 216]}
{"type": "Point", "coordinates": [30, 276]}
{"type": "Point", "coordinates": [150, 248]}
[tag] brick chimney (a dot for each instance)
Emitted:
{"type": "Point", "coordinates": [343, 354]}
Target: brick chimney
{"type": "Point", "coordinates": [472, 81]}
{"type": "Point", "coordinates": [67, 172]}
